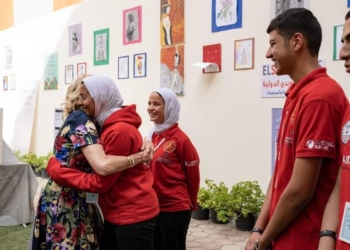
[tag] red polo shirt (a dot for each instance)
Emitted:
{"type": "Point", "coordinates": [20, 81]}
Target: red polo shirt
{"type": "Point", "coordinates": [345, 176]}
{"type": "Point", "coordinates": [175, 168]}
{"type": "Point", "coordinates": [310, 127]}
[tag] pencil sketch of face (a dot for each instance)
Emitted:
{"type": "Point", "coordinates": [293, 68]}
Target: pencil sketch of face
{"type": "Point", "coordinates": [132, 28]}
{"type": "Point", "coordinates": [75, 42]}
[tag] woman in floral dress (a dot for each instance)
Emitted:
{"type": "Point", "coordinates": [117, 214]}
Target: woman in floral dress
{"type": "Point", "coordinates": [65, 220]}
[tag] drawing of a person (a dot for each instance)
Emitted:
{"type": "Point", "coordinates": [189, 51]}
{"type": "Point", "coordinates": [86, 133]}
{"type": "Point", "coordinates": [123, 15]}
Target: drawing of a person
{"type": "Point", "coordinates": [75, 43]}
{"type": "Point", "coordinates": [131, 27]}
{"type": "Point", "coordinates": [166, 27]}
{"type": "Point", "coordinates": [177, 81]}
{"type": "Point", "coordinates": [244, 58]}
{"type": "Point", "coordinates": [101, 49]}
{"type": "Point", "coordinates": [139, 64]}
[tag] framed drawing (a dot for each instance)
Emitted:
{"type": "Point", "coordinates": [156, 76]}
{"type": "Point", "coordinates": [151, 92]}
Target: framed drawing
{"type": "Point", "coordinates": [75, 40]}
{"type": "Point", "coordinates": [337, 36]}
{"type": "Point", "coordinates": [140, 65]}
{"type": "Point", "coordinates": [132, 25]}
{"type": "Point", "coordinates": [123, 67]}
{"type": "Point", "coordinates": [5, 83]}
{"type": "Point", "coordinates": [244, 54]}
{"type": "Point", "coordinates": [69, 73]}
{"type": "Point", "coordinates": [8, 57]}
{"type": "Point", "coordinates": [279, 6]}
{"type": "Point", "coordinates": [101, 47]}
{"type": "Point", "coordinates": [226, 15]}
{"type": "Point", "coordinates": [81, 69]}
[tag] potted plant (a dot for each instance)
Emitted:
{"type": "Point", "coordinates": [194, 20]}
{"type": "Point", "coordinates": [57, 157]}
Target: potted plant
{"type": "Point", "coordinates": [220, 202]}
{"type": "Point", "coordinates": [202, 212]}
{"type": "Point", "coordinates": [42, 162]}
{"type": "Point", "coordinates": [247, 202]}
{"type": "Point", "coordinates": [30, 158]}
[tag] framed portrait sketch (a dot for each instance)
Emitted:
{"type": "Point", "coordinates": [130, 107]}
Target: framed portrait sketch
{"type": "Point", "coordinates": [337, 36]}
{"type": "Point", "coordinates": [123, 67]}
{"type": "Point", "coordinates": [101, 47]}
{"type": "Point", "coordinates": [226, 15]}
{"type": "Point", "coordinates": [81, 69]}
{"type": "Point", "coordinates": [140, 65]}
{"type": "Point", "coordinates": [75, 40]}
{"type": "Point", "coordinates": [132, 25]}
{"type": "Point", "coordinates": [244, 54]}
{"type": "Point", "coordinates": [8, 57]}
{"type": "Point", "coordinates": [69, 72]}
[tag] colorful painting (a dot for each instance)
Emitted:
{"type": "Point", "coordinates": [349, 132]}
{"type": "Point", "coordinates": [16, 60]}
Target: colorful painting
{"type": "Point", "coordinates": [132, 25]}
{"type": "Point", "coordinates": [101, 47]}
{"type": "Point", "coordinates": [172, 68]}
{"type": "Point", "coordinates": [51, 72]}
{"type": "Point", "coordinates": [75, 40]}
{"type": "Point", "coordinates": [226, 15]}
{"type": "Point", "coordinates": [81, 69]}
{"type": "Point", "coordinates": [123, 67]}
{"type": "Point", "coordinates": [244, 54]}
{"type": "Point", "coordinates": [140, 65]}
{"type": "Point", "coordinates": [172, 22]}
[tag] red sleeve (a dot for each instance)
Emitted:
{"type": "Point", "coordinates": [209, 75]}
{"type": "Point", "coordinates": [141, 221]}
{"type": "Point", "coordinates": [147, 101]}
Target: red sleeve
{"type": "Point", "coordinates": [317, 130]}
{"type": "Point", "coordinates": [190, 161]}
{"type": "Point", "coordinates": [114, 144]}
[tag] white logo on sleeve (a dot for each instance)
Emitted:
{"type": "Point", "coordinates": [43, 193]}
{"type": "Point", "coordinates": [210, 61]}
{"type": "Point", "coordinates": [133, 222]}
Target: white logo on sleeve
{"type": "Point", "coordinates": [345, 133]}
{"type": "Point", "coordinates": [310, 144]}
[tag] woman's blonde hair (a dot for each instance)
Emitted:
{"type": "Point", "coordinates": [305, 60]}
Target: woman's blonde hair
{"type": "Point", "coordinates": [72, 96]}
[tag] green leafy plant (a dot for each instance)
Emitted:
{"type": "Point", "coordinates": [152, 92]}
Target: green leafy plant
{"type": "Point", "coordinates": [220, 200]}
{"type": "Point", "coordinates": [203, 197]}
{"type": "Point", "coordinates": [247, 198]}
{"type": "Point", "coordinates": [42, 161]}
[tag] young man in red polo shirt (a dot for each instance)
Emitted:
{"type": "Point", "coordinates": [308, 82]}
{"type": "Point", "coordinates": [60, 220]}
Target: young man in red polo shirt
{"type": "Point", "coordinates": [336, 215]}
{"type": "Point", "coordinates": [308, 139]}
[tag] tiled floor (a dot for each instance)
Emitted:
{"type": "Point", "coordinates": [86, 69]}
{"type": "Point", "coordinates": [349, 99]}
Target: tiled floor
{"type": "Point", "coordinates": [202, 235]}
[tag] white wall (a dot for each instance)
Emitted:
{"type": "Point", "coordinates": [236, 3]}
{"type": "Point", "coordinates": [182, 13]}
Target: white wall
{"type": "Point", "coordinates": [222, 113]}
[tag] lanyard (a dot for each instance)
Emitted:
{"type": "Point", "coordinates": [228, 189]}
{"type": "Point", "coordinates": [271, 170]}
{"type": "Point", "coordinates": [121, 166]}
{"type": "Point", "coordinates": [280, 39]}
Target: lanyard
{"type": "Point", "coordinates": [158, 145]}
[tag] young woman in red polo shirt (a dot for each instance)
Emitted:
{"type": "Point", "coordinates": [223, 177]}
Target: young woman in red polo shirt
{"type": "Point", "coordinates": [175, 167]}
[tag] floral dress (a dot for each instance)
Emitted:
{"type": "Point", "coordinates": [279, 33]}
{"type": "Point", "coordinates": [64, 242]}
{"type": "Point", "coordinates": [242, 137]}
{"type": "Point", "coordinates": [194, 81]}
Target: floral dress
{"type": "Point", "coordinates": [64, 220]}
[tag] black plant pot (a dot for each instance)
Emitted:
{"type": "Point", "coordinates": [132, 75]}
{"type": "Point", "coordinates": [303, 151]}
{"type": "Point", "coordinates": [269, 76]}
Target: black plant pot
{"type": "Point", "coordinates": [200, 213]}
{"type": "Point", "coordinates": [255, 217]}
{"type": "Point", "coordinates": [245, 224]}
{"type": "Point", "coordinates": [44, 174]}
{"type": "Point", "coordinates": [214, 219]}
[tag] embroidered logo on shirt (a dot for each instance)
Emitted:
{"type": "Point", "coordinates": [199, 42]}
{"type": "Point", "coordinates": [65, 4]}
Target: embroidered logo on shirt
{"type": "Point", "coordinates": [345, 133]}
{"type": "Point", "coordinates": [320, 144]}
{"type": "Point", "coordinates": [310, 144]}
{"type": "Point", "coordinates": [169, 146]}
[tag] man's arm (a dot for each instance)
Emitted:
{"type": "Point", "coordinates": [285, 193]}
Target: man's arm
{"type": "Point", "coordinates": [330, 216]}
{"type": "Point", "coordinates": [294, 198]}
{"type": "Point", "coordinates": [262, 220]}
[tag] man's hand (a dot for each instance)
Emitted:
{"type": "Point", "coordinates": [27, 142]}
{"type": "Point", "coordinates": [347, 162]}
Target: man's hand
{"type": "Point", "coordinates": [148, 150]}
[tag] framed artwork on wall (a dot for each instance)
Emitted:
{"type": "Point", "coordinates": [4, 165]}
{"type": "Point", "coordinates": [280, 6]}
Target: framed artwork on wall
{"type": "Point", "coordinates": [8, 57]}
{"type": "Point", "coordinates": [12, 82]}
{"type": "Point", "coordinates": [69, 74]}
{"type": "Point", "coordinates": [132, 25]}
{"type": "Point", "coordinates": [81, 69]}
{"type": "Point", "coordinates": [244, 54]}
{"type": "Point", "coordinates": [140, 65]}
{"type": "Point", "coordinates": [75, 40]}
{"type": "Point", "coordinates": [337, 36]}
{"type": "Point", "coordinates": [279, 6]}
{"type": "Point", "coordinates": [5, 83]}
{"type": "Point", "coordinates": [51, 72]}
{"type": "Point", "coordinates": [226, 15]}
{"type": "Point", "coordinates": [123, 67]}
{"type": "Point", "coordinates": [101, 47]}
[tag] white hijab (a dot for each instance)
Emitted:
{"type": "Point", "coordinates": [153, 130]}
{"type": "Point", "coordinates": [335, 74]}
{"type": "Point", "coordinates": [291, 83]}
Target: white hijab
{"type": "Point", "coordinates": [171, 112]}
{"type": "Point", "coordinates": [105, 94]}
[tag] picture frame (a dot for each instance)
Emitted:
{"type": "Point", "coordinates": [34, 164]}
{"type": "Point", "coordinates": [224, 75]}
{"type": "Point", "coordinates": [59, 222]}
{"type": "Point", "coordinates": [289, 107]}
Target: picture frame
{"type": "Point", "coordinates": [337, 36]}
{"type": "Point", "coordinates": [5, 83]}
{"type": "Point", "coordinates": [226, 16]}
{"type": "Point", "coordinates": [140, 65]}
{"type": "Point", "coordinates": [132, 25]}
{"type": "Point", "coordinates": [101, 47]}
{"type": "Point", "coordinates": [12, 82]}
{"type": "Point", "coordinates": [69, 74]}
{"type": "Point", "coordinates": [244, 54]}
{"type": "Point", "coordinates": [278, 6]}
{"type": "Point", "coordinates": [123, 67]}
{"type": "Point", "coordinates": [81, 69]}
{"type": "Point", "coordinates": [75, 42]}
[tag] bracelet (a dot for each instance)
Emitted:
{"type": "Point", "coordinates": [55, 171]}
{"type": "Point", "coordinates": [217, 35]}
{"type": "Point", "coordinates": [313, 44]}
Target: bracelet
{"type": "Point", "coordinates": [256, 247]}
{"type": "Point", "coordinates": [131, 161]}
{"type": "Point", "coordinates": [328, 233]}
{"type": "Point", "coordinates": [257, 230]}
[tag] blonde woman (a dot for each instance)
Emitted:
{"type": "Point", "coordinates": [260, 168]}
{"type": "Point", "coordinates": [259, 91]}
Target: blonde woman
{"type": "Point", "coordinates": [67, 218]}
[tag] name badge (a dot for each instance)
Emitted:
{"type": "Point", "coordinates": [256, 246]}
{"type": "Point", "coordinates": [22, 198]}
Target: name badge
{"type": "Point", "coordinates": [91, 198]}
{"type": "Point", "coordinates": [344, 234]}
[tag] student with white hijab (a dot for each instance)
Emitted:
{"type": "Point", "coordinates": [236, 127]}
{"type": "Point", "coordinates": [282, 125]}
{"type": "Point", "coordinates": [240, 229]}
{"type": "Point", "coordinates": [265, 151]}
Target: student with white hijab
{"type": "Point", "coordinates": [127, 199]}
{"type": "Point", "coordinates": [175, 168]}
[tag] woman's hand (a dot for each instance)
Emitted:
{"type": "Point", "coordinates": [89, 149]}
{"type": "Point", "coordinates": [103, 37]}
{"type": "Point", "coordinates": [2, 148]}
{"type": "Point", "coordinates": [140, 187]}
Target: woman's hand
{"type": "Point", "coordinates": [148, 151]}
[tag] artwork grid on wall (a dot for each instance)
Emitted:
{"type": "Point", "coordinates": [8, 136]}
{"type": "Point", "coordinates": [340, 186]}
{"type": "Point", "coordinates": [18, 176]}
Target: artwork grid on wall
{"type": "Point", "coordinates": [226, 15]}
{"type": "Point", "coordinates": [123, 67]}
{"type": "Point", "coordinates": [132, 25]}
{"type": "Point", "coordinates": [140, 65]}
{"type": "Point", "coordinates": [244, 54]}
{"type": "Point", "coordinates": [101, 47]}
